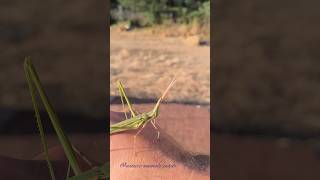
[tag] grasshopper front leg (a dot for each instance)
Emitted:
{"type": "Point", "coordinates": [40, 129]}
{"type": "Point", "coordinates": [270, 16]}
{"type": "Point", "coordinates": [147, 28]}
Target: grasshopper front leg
{"type": "Point", "coordinates": [124, 96]}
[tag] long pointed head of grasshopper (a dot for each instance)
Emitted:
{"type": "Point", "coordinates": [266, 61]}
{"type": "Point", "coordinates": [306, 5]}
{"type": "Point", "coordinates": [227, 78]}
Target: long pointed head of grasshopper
{"type": "Point", "coordinates": [156, 108]}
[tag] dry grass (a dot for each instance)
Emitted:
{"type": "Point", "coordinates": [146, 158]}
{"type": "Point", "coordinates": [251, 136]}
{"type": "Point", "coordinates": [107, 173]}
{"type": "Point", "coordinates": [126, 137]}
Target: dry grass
{"type": "Point", "coordinates": [146, 64]}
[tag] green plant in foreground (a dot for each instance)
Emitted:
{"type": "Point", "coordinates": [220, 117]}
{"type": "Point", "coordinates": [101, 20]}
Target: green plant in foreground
{"type": "Point", "coordinates": [34, 84]}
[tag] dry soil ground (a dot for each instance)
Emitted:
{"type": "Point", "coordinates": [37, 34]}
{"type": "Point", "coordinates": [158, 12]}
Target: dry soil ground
{"type": "Point", "coordinates": [146, 64]}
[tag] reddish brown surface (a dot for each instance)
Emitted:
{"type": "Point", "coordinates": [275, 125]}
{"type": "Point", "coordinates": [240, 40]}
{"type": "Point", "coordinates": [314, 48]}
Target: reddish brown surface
{"type": "Point", "coordinates": [149, 151]}
{"type": "Point", "coordinates": [188, 124]}
{"type": "Point", "coordinates": [238, 157]}
{"type": "Point", "coordinates": [36, 168]}
{"type": "Point", "coordinates": [252, 158]}
{"type": "Point", "coordinates": [235, 157]}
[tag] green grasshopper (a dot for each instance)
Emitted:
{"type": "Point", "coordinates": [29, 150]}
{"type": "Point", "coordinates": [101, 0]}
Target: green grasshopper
{"type": "Point", "coordinates": [34, 84]}
{"type": "Point", "coordinates": [137, 120]}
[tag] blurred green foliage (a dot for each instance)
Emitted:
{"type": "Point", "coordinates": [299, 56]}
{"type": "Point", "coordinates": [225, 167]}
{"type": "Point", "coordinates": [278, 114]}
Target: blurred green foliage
{"type": "Point", "coordinates": [150, 12]}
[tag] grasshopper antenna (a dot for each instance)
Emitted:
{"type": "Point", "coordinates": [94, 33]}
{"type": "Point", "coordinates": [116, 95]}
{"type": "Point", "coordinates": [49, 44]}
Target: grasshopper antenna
{"type": "Point", "coordinates": [164, 94]}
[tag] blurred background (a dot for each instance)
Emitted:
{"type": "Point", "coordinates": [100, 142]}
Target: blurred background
{"type": "Point", "coordinates": [267, 79]}
{"type": "Point", "coordinates": [67, 43]}
{"type": "Point", "coordinates": [153, 41]}
{"type": "Point", "coordinates": [266, 103]}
